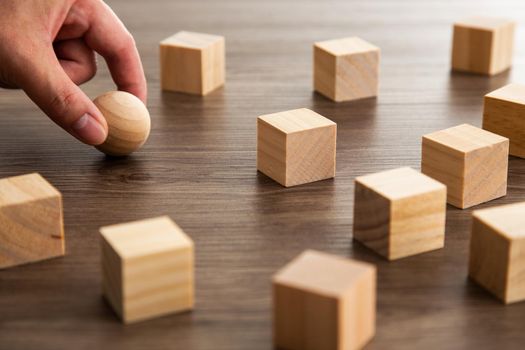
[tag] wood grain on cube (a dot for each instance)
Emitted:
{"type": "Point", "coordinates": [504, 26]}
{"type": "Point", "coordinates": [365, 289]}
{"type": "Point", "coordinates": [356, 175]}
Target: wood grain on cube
{"type": "Point", "coordinates": [192, 62]}
{"type": "Point", "coordinates": [470, 161]}
{"type": "Point", "coordinates": [296, 147]}
{"type": "Point", "coordinates": [504, 114]}
{"type": "Point", "coordinates": [399, 213]}
{"type": "Point", "coordinates": [147, 268]}
{"type": "Point", "coordinates": [324, 302]}
{"type": "Point", "coordinates": [31, 220]}
{"type": "Point", "coordinates": [346, 69]}
{"type": "Point", "coordinates": [483, 45]}
{"type": "Point", "coordinates": [497, 251]}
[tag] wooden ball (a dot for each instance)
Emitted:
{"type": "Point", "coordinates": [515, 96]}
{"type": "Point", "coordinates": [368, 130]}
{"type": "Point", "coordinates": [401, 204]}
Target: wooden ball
{"type": "Point", "coordinates": [128, 122]}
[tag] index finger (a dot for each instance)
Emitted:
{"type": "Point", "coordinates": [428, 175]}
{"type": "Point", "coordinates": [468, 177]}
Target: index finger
{"type": "Point", "coordinates": [108, 36]}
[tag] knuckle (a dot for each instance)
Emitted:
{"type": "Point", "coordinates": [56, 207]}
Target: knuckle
{"type": "Point", "coordinates": [63, 101]}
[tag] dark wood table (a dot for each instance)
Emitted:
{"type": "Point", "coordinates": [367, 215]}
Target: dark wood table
{"type": "Point", "coordinates": [199, 168]}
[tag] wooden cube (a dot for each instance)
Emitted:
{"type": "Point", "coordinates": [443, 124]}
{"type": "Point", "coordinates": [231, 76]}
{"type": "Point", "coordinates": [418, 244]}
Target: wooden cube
{"type": "Point", "coordinates": [399, 213]}
{"type": "Point", "coordinates": [147, 268]}
{"type": "Point", "coordinates": [346, 69]}
{"type": "Point", "coordinates": [497, 246]}
{"type": "Point", "coordinates": [324, 302]}
{"type": "Point", "coordinates": [296, 147]}
{"type": "Point", "coordinates": [31, 220]}
{"type": "Point", "coordinates": [472, 162]}
{"type": "Point", "coordinates": [504, 114]}
{"type": "Point", "coordinates": [193, 63]}
{"type": "Point", "coordinates": [483, 45]}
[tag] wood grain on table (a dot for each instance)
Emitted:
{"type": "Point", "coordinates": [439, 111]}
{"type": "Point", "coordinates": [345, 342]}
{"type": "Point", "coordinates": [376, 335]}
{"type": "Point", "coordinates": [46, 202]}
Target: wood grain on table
{"type": "Point", "coordinates": [199, 167]}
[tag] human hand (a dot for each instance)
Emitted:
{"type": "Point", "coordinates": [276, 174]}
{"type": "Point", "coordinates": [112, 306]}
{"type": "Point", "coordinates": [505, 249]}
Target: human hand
{"type": "Point", "coordinates": [47, 48]}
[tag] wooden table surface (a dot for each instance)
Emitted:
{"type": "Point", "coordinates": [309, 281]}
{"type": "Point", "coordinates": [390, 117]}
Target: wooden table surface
{"type": "Point", "coordinates": [199, 168]}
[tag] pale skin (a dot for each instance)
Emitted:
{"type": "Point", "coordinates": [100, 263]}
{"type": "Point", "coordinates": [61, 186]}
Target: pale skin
{"type": "Point", "coordinates": [47, 49]}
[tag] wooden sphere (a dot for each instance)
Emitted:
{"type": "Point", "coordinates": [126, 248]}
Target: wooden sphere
{"type": "Point", "coordinates": [128, 122]}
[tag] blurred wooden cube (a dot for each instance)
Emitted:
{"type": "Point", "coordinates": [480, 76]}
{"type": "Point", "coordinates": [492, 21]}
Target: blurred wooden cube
{"type": "Point", "coordinates": [193, 63]}
{"type": "Point", "coordinates": [346, 69]}
{"type": "Point", "coordinates": [497, 246]}
{"type": "Point", "coordinates": [31, 220]}
{"type": "Point", "coordinates": [470, 161]}
{"type": "Point", "coordinates": [504, 114]}
{"type": "Point", "coordinates": [399, 213]}
{"type": "Point", "coordinates": [324, 302]}
{"type": "Point", "coordinates": [296, 147]}
{"type": "Point", "coordinates": [483, 45]}
{"type": "Point", "coordinates": [147, 268]}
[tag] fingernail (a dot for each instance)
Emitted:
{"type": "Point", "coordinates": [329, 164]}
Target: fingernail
{"type": "Point", "coordinates": [89, 130]}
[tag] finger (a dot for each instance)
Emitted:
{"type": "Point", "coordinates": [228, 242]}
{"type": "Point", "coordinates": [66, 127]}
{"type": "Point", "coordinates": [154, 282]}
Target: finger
{"type": "Point", "coordinates": [77, 60]}
{"type": "Point", "coordinates": [108, 36]}
{"type": "Point", "coordinates": [47, 84]}
{"type": "Point", "coordinates": [75, 24]}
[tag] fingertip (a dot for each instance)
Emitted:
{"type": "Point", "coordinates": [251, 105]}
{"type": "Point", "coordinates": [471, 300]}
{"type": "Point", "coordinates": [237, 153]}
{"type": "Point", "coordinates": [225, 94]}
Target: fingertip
{"type": "Point", "coordinates": [144, 97]}
{"type": "Point", "coordinates": [139, 91]}
{"type": "Point", "coordinates": [90, 130]}
{"type": "Point", "coordinates": [99, 118]}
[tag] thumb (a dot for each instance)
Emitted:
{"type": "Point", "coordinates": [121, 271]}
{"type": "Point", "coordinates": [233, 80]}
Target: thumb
{"type": "Point", "coordinates": [48, 85]}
